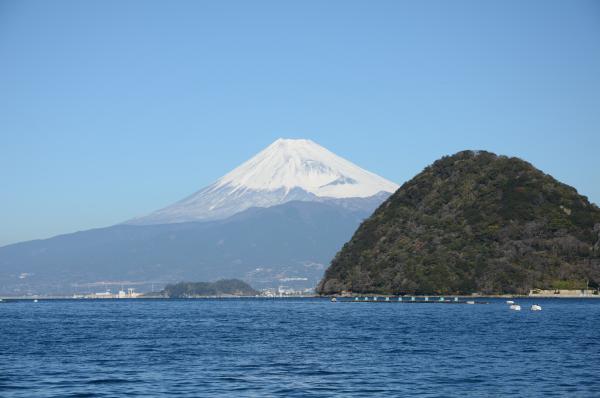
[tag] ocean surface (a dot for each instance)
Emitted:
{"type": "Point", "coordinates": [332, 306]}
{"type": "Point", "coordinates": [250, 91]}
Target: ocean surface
{"type": "Point", "coordinates": [298, 348]}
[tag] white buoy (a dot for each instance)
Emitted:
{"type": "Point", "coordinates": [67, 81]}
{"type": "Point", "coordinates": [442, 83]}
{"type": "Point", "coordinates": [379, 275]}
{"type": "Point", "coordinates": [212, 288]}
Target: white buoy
{"type": "Point", "coordinates": [515, 307]}
{"type": "Point", "coordinates": [35, 301]}
{"type": "Point", "coordinates": [510, 302]}
{"type": "Point", "coordinates": [536, 307]}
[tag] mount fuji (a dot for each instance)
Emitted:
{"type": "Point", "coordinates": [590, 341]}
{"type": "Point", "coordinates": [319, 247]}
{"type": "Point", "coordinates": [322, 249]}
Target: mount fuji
{"type": "Point", "coordinates": [276, 220]}
{"type": "Point", "coordinates": [287, 170]}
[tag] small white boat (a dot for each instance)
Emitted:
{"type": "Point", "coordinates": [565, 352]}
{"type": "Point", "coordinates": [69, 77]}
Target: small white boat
{"type": "Point", "coordinates": [366, 299]}
{"type": "Point", "coordinates": [515, 307]}
{"type": "Point", "coordinates": [399, 298]}
{"type": "Point", "coordinates": [470, 302]}
{"type": "Point", "coordinates": [35, 301]}
{"type": "Point", "coordinates": [374, 298]}
{"type": "Point", "coordinates": [441, 299]}
{"type": "Point", "coordinates": [510, 302]}
{"type": "Point", "coordinates": [355, 298]}
{"type": "Point", "coordinates": [536, 307]}
{"type": "Point", "coordinates": [387, 299]}
{"type": "Point", "coordinates": [333, 299]}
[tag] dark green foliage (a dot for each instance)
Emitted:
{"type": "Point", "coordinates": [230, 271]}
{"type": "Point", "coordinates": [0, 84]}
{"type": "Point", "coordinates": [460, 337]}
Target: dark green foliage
{"type": "Point", "coordinates": [472, 222]}
{"type": "Point", "coordinates": [223, 287]}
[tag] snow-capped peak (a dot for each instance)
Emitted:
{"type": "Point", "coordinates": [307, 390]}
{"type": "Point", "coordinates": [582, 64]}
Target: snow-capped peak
{"type": "Point", "coordinates": [288, 169]}
{"type": "Point", "coordinates": [300, 163]}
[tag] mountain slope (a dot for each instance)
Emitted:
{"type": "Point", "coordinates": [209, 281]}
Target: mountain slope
{"type": "Point", "coordinates": [287, 170]}
{"type": "Point", "coordinates": [473, 222]}
{"type": "Point", "coordinates": [263, 246]}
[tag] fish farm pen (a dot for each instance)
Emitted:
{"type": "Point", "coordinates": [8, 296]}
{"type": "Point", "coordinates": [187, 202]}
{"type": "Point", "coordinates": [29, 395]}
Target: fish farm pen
{"type": "Point", "coordinates": [406, 300]}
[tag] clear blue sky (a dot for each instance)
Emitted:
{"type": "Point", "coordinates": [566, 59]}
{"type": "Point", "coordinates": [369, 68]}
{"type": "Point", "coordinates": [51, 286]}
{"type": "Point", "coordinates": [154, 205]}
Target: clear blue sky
{"type": "Point", "coordinates": [112, 109]}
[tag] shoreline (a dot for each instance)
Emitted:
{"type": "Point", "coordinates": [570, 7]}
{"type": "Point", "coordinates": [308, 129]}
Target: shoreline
{"type": "Point", "coordinates": [324, 297]}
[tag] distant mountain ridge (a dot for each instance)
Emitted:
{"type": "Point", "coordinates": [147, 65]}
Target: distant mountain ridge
{"type": "Point", "coordinates": [263, 246]}
{"type": "Point", "coordinates": [287, 170]}
{"type": "Point", "coordinates": [473, 222]}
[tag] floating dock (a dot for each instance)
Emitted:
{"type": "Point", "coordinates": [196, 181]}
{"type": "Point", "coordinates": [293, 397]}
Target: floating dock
{"type": "Point", "coordinates": [408, 300]}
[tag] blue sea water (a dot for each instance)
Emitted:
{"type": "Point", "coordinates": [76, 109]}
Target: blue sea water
{"type": "Point", "coordinates": [298, 348]}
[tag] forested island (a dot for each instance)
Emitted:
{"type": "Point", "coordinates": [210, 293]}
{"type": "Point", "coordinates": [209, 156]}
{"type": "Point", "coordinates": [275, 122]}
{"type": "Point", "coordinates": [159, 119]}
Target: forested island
{"type": "Point", "coordinates": [223, 287]}
{"type": "Point", "coordinates": [474, 222]}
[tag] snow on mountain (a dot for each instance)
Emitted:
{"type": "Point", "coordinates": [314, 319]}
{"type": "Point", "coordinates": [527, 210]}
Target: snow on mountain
{"type": "Point", "coordinates": [288, 169]}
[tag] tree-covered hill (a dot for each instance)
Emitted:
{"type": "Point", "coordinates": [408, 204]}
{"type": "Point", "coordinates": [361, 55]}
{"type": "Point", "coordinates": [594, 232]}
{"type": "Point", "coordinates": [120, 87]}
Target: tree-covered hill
{"type": "Point", "coordinates": [223, 287]}
{"type": "Point", "coordinates": [473, 222]}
